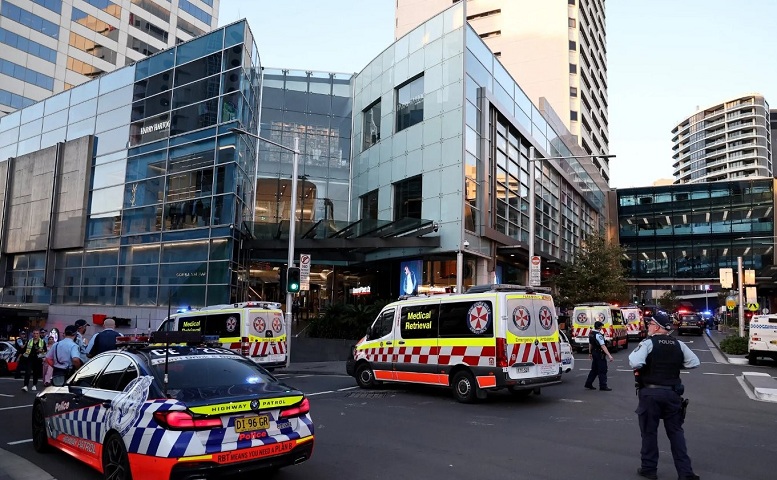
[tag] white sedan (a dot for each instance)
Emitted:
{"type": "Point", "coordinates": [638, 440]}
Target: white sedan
{"type": "Point", "coordinates": [567, 359]}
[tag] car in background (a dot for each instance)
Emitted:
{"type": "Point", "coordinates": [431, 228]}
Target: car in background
{"type": "Point", "coordinates": [161, 411]}
{"type": "Point", "coordinates": [567, 359]}
{"type": "Point", "coordinates": [7, 357]}
{"type": "Point", "coordinates": [690, 323]}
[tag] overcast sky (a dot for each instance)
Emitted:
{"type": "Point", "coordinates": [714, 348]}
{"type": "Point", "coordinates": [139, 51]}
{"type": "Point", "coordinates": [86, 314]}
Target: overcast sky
{"type": "Point", "coordinates": [666, 58]}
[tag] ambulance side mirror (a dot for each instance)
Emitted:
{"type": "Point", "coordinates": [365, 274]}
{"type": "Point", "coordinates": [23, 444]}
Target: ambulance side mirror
{"type": "Point", "coordinates": [368, 334]}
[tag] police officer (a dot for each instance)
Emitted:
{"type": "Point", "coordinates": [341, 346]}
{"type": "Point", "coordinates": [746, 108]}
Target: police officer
{"type": "Point", "coordinates": [598, 353]}
{"type": "Point", "coordinates": [80, 340]}
{"type": "Point", "coordinates": [658, 360]}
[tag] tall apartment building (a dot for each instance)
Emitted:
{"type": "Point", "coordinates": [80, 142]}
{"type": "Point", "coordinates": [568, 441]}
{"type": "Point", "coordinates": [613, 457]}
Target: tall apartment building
{"type": "Point", "coordinates": [553, 48]}
{"type": "Point", "coordinates": [48, 46]}
{"type": "Point", "coordinates": [773, 120]}
{"type": "Point", "coordinates": [727, 141]}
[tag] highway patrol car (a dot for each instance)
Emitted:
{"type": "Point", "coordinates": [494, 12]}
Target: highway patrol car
{"type": "Point", "coordinates": [174, 411]}
{"type": "Point", "coordinates": [492, 337]}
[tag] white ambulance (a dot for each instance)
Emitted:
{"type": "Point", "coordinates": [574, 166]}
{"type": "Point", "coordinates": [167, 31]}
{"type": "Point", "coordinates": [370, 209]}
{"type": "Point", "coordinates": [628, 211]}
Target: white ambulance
{"type": "Point", "coordinates": [255, 330]}
{"type": "Point", "coordinates": [492, 337]}
{"type": "Point", "coordinates": [763, 338]}
{"type": "Point", "coordinates": [585, 316]}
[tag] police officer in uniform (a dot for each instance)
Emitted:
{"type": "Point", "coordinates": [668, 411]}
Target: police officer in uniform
{"type": "Point", "coordinates": [657, 362]}
{"type": "Point", "coordinates": [598, 353]}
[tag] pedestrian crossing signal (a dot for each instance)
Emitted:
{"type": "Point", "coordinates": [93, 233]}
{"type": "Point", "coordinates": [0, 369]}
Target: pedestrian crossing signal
{"type": "Point", "coordinates": [293, 280]}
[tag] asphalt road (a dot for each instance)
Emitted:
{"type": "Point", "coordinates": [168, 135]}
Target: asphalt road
{"type": "Point", "coordinates": [410, 432]}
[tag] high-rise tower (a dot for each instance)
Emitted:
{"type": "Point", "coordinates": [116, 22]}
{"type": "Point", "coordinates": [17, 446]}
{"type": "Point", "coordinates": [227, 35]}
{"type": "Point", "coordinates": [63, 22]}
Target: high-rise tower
{"type": "Point", "coordinates": [553, 48]}
{"type": "Point", "coordinates": [47, 46]}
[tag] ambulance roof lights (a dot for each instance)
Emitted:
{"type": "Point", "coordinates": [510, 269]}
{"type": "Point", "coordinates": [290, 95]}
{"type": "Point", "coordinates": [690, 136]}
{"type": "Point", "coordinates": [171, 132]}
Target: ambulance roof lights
{"type": "Point", "coordinates": [507, 287]}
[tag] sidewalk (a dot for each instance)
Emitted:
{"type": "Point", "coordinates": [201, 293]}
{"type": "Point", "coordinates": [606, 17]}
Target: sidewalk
{"type": "Point", "coordinates": [317, 368]}
{"type": "Point", "coordinates": [759, 385]}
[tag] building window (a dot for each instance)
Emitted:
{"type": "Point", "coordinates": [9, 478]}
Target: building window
{"type": "Point", "coordinates": [407, 198]}
{"type": "Point", "coordinates": [572, 45]}
{"type": "Point", "coordinates": [573, 115]}
{"type": "Point", "coordinates": [370, 205]}
{"type": "Point", "coordinates": [371, 126]}
{"type": "Point", "coordinates": [573, 91]}
{"type": "Point", "coordinates": [410, 103]}
{"type": "Point", "coordinates": [571, 2]}
{"type": "Point", "coordinates": [572, 23]}
{"type": "Point", "coordinates": [572, 68]}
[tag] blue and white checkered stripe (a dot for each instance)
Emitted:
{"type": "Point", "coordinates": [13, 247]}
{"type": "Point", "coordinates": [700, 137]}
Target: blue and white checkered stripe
{"type": "Point", "coordinates": [85, 423]}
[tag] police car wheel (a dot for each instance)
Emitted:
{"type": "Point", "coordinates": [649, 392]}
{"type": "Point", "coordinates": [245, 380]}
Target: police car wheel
{"type": "Point", "coordinates": [464, 387]}
{"type": "Point", "coordinates": [115, 460]}
{"type": "Point", "coordinates": [365, 377]}
{"type": "Point", "coordinates": [40, 437]}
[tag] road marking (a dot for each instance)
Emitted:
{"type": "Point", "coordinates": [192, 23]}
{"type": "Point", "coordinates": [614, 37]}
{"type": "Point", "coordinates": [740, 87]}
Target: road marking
{"type": "Point", "coordinates": [319, 393]}
{"type": "Point", "coordinates": [4, 395]}
{"type": "Point", "coordinates": [570, 400]}
{"type": "Point", "coordinates": [721, 374]}
{"type": "Point", "coordinates": [20, 441]}
{"type": "Point", "coordinates": [347, 388]}
{"type": "Point", "coordinates": [18, 406]}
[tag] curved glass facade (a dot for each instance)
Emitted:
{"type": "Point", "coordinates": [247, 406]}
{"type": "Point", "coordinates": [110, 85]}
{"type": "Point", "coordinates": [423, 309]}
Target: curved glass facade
{"type": "Point", "coordinates": [167, 184]}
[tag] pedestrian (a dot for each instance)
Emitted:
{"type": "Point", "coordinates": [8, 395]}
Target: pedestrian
{"type": "Point", "coordinates": [103, 341]}
{"type": "Point", "coordinates": [295, 310]}
{"type": "Point", "coordinates": [34, 351]}
{"type": "Point", "coordinates": [64, 357]}
{"type": "Point", "coordinates": [80, 339]}
{"type": "Point", "coordinates": [598, 353]}
{"type": "Point", "coordinates": [48, 369]}
{"type": "Point", "coordinates": [20, 344]}
{"type": "Point", "coordinates": [657, 360]}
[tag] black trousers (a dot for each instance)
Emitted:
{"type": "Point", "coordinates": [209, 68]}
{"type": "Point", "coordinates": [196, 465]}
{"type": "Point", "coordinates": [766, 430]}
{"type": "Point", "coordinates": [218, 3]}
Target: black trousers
{"type": "Point", "coordinates": [34, 367]}
{"type": "Point", "coordinates": [657, 404]}
{"type": "Point", "coordinates": [598, 369]}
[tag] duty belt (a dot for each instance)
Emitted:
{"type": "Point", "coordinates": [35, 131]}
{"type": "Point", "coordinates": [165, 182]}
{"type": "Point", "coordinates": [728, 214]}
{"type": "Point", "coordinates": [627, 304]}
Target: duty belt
{"type": "Point", "coordinates": [663, 387]}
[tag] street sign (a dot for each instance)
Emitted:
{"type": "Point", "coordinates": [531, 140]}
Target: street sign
{"type": "Point", "coordinates": [753, 307]}
{"type": "Point", "coordinates": [726, 277]}
{"type": "Point", "coordinates": [751, 295]}
{"type": "Point", "coordinates": [304, 269]}
{"type": "Point", "coordinates": [731, 303]}
{"type": "Point", "coordinates": [535, 272]}
{"type": "Point", "coordinates": [749, 277]}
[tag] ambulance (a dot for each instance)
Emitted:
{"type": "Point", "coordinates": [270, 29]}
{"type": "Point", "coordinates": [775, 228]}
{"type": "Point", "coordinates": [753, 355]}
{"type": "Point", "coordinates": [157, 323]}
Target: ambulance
{"type": "Point", "coordinates": [255, 330]}
{"type": "Point", "coordinates": [492, 337]}
{"type": "Point", "coordinates": [585, 315]}
{"type": "Point", "coordinates": [763, 338]}
{"type": "Point", "coordinates": [635, 325]}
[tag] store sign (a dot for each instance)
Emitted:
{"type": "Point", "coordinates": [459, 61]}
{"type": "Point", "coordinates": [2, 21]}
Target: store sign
{"type": "Point", "coordinates": [155, 127]}
{"type": "Point", "coordinates": [357, 291]}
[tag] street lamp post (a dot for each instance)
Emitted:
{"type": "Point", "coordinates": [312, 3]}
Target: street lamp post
{"type": "Point", "coordinates": [532, 181]}
{"type": "Point", "coordinates": [292, 223]}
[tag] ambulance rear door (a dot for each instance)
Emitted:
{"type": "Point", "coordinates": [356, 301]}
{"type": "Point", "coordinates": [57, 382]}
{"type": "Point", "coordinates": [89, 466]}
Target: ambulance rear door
{"type": "Point", "coordinates": [266, 332]}
{"type": "Point", "coordinates": [532, 336]}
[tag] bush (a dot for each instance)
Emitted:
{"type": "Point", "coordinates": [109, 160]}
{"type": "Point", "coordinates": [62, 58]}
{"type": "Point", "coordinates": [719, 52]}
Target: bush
{"type": "Point", "coordinates": [734, 345]}
{"type": "Point", "coordinates": [348, 322]}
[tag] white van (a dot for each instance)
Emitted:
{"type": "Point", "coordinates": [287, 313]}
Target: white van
{"type": "Point", "coordinates": [635, 325]}
{"type": "Point", "coordinates": [492, 337]}
{"type": "Point", "coordinates": [763, 338]}
{"type": "Point", "coordinates": [255, 330]}
{"type": "Point", "coordinates": [585, 315]}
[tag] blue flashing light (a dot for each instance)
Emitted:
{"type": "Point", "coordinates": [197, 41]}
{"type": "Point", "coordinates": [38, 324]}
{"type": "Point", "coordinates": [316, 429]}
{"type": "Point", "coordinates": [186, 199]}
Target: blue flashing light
{"type": "Point", "coordinates": [182, 310]}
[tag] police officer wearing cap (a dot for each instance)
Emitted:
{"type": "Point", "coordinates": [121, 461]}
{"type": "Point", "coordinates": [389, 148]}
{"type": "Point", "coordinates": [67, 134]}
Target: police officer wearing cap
{"type": "Point", "coordinates": [658, 360]}
{"type": "Point", "coordinates": [598, 353]}
{"type": "Point", "coordinates": [80, 339]}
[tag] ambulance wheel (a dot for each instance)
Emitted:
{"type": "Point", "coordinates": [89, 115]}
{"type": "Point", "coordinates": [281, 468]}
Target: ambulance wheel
{"type": "Point", "coordinates": [40, 437]}
{"type": "Point", "coordinates": [464, 387]}
{"type": "Point", "coordinates": [365, 377]}
{"type": "Point", "coordinates": [115, 460]}
{"type": "Point", "coordinates": [752, 359]}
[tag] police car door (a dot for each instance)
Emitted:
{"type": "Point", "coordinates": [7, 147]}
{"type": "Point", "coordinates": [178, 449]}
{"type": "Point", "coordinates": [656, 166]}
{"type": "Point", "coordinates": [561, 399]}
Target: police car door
{"type": "Point", "coordinates": [532, 336]}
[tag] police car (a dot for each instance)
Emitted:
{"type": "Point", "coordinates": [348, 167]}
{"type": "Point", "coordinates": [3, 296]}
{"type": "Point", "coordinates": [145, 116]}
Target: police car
{"type": "Point", "coordinates": [174, 411]}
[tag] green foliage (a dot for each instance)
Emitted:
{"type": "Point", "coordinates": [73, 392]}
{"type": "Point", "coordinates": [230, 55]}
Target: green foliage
{"type": "Point", "coordinates": [596, 274]}
{"type": "Point", "coordinates": [668, 301]}
{"type": "Point", "coordinates": [344, 321]}
{"type": "Point", "coordinates": [734, 345]}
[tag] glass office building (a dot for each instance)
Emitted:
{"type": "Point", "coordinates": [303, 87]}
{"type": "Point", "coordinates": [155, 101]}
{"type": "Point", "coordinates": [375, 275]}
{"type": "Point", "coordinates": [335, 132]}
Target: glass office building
{"type": "Point", "coordinates": [680, 236]}
{"type": "Point", "coordinates": [130, 192]}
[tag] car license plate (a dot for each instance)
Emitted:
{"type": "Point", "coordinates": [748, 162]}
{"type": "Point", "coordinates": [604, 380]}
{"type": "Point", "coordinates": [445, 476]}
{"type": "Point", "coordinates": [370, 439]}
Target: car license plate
{"type": "Point", "coordinates": [522, 369]}
{"type": "Point", "coordinates": [254, 422]}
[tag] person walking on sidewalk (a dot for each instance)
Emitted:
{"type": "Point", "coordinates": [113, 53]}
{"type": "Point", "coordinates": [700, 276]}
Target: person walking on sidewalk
{"type": "Point", "coordinates": [33, 353]}
{"type": "Point", "coordinates": [598, 353]}
{"type": "Point", "coordinates": [658, 360]}
{"type": "Point", "coordinates": [103, 341]}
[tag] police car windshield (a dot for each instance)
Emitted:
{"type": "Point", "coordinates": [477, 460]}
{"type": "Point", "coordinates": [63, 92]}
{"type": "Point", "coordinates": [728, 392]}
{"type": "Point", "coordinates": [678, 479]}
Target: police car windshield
{"type": "Point", "coordinates": [200, 373]}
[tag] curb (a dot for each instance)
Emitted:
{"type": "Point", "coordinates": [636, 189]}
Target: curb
{"type": "Point", "coordinates": [764, 387]}
{"type": "Point", "coordinates": [15, 467]}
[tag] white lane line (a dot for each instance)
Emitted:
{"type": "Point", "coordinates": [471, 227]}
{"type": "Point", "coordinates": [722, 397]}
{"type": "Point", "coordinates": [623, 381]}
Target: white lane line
{"type": "Point", "coordinates": [319, 393]}
{"type": "Point", "coordinates": [4, 395]}
{"type": "Point", "coordinates": [18, 406]}
{"type": "Point", "coordinates": [303, 376]}
{"type": "Point", "coordinates": [720, 374]}
{"type": "Point", "coordinates": [347, 388]}
{"type": "Point", "coordinates": [20, 441]}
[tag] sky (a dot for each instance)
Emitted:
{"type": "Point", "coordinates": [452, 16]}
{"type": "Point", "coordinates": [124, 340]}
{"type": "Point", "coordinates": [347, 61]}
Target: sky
{"type": "Point", "coordinates": [666, 60]}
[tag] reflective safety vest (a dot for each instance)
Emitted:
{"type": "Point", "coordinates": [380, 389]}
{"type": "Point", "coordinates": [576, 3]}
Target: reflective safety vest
{"type": "Point", "coordinates": [31, 343]}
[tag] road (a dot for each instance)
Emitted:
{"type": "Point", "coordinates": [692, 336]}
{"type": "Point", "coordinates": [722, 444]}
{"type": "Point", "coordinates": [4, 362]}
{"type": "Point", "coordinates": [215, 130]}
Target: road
{"type": "Point", "coordinates": [410, 432]}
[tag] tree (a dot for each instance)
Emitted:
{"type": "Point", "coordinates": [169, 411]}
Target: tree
{"type": "Point", "coordinates": [668, 301]}
{"type": "Point", "coordinates": [595, 274]}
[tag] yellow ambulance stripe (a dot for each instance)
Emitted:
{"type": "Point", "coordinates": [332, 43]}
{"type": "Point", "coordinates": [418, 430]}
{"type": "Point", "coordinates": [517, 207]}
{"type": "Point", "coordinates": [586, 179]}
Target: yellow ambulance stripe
{"type": "Point", "coordinates": [512, 338]}
{"type": "Point", "coordinates": [264, 403]}
{"type": "Point", "coordinates": [466, 342]}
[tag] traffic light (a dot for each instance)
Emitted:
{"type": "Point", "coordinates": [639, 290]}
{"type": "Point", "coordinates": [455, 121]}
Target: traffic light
{"type": "Point", "coordinates": [292, 280]}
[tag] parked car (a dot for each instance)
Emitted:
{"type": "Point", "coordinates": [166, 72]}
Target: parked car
{"type": "Point", "coordinates": [567, 359]}
{"type": "Point", "coordinates": [690, 323]}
